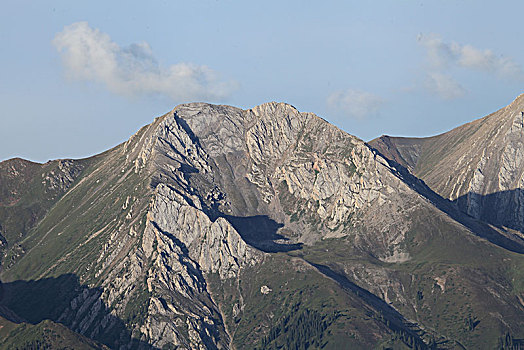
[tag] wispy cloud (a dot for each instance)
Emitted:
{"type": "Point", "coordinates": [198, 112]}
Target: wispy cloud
{"type": "Point", "coordinates": [447, 57]}
{"type": "Point", "coordinates": [89, 54]}
{"type": "Point", "coordinates": [355, 103]}
{"type": "Point", "coordinates": [443, 54]}
{"type": "Point", "coordinates": [444, 85]}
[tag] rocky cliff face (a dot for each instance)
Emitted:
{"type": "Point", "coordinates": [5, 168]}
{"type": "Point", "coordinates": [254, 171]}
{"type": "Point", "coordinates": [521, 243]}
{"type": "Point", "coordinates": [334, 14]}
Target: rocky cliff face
{"type": "Point", "coordinates": [192, 232]}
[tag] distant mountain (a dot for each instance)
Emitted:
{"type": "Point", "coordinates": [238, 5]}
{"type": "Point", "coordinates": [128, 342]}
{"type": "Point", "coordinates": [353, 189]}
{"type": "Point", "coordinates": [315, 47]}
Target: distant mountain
{"type": "Point", "coordinates": [221, 228]}
{"type": "Point", "coordinates": [479, 165]}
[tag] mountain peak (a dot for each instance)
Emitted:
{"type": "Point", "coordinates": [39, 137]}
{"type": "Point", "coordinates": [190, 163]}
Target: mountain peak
{"type": "Point", "coordinates": [517, 105]}
{"type": "Point", "coordinates": [519, 98]}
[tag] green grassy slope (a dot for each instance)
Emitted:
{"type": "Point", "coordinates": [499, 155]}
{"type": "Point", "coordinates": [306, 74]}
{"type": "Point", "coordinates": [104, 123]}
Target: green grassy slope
{"type": "Point", "coordinates": [456, 286]}
{"type": "Point", "coordinates": [68, 239]}
{"type": "Point", "coordinates": [68, 250]}
{"type": "Point", "coordinates": [286, 303]}
{"type": "Point", "coordinates": [27, 191]}
{"type": "Point", "coordinates": [44, 335]}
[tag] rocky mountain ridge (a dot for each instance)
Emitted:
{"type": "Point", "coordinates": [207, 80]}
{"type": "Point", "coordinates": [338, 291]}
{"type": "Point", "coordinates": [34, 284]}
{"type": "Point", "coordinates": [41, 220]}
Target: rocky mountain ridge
{"type": "Point", "coordinates": [216, 227]}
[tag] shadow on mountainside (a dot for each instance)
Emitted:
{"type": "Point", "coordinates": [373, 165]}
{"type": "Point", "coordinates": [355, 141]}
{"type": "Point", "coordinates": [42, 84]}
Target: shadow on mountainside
{"type": "Point", "coordinates": [260, 231]}
{"type": "Point", "coordinates": [479, 227]}
{"type": "Point", "coordinates": [64, 300]}
{"type": "Point", "coordinates": [499, 209]}
{"type": "Point", "coordinates": [391, 317]}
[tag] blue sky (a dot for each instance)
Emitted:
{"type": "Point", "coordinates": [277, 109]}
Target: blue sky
{"type": "Point", "coordinates": [78, 78]}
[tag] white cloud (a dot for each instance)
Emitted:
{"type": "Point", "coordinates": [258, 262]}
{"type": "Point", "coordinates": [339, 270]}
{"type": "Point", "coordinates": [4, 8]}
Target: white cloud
{"type": "Point", "coordinates": [356, 104]}
{"type": "Point", "coordinates": [444, 85]}
{"type": "Point", "coordinates": [442, 55]}
{"type": "Point", "coordinates": [89, 54]}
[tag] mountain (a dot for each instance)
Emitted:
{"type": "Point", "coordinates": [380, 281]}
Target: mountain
{"type": "Point", "coordinates": [478, 166]}
{"type": "Point", "coordinates": [220, 228]}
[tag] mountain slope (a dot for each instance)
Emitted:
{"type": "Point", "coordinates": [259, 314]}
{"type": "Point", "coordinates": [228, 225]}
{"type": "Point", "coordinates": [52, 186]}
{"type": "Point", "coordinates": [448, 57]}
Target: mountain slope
{"type": "Point", "coordinates": [216, 227]}
{"type": "Point", "coordinates": [27, 191]}
{"type": "Point", "coordinates": [45, 335]}
{"type": "Point", "coordinates": [479, 165]}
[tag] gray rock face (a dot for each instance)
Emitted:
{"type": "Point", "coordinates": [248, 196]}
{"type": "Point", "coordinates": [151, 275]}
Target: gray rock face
{"type": "Point", "coordinates": [215, 245]}
{"type": "Point", "coordinates": [293, 167]}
